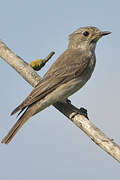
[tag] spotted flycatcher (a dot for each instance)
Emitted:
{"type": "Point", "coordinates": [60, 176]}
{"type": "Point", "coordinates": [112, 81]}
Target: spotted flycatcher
{"type": "Point", "coordinates": [66, 76]}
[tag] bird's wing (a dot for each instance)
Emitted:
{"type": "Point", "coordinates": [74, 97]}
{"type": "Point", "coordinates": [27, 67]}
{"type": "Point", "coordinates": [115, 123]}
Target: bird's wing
{"type": "Point", "coordinates": [68, 66]}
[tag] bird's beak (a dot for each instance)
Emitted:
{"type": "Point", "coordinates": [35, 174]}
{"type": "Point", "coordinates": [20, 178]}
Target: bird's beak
{"type": "Point", "coordinates": [100, 34]}
{"type": "Point", "coordinates": [104, 33]}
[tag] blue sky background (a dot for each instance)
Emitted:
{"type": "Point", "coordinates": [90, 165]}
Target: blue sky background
{"type": "Point", "coordinates": [49, 146]}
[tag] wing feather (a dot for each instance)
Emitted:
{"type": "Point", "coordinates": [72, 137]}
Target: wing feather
{"type": "Point", "coordinates": [63, 70]}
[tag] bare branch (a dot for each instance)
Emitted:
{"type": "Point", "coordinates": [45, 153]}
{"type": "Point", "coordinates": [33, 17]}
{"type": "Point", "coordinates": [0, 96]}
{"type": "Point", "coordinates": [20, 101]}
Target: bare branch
{"type": "Point", "coordinates": [90, 129]}
{"type": "Point", "coordinates": [40, 63]}
{"type": "Point", "coordinates": [68, 110]}
{"type": "Point", "coordinates": [19, 65]}
{"type": "Point", "coordinates": [48, 57]}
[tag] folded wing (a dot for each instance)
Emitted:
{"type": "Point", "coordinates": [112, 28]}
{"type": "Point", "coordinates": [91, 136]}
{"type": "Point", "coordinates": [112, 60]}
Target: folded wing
{"type": "Point", "coordinates": [64, 69]}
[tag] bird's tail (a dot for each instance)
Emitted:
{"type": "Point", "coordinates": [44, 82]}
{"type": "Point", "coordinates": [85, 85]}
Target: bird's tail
{"type": "Point", "coordinates": [25, 116]}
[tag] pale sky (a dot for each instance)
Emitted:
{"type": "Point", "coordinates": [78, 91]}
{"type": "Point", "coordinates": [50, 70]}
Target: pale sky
{"type": "Point", "coordinates": [49, 146]}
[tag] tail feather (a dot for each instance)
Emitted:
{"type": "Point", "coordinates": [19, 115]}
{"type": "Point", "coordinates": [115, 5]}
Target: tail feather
{"type": "Point", "coordinates": [30, 111]}
{"type": "Point", "coordinates": [17, 109]}
{"type": "Point", "coordinates": [26, 115]}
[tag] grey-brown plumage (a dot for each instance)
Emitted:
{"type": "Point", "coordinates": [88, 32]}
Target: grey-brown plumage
{"type": "Point", "coordinates": [67, 75]}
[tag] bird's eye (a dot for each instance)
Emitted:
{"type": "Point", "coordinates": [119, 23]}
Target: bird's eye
{"type": "Point", "coordinates": [86, 33]}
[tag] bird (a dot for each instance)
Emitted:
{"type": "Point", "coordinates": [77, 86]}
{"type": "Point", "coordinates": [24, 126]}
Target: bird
{"type": "Point", "coordinates": [70, 72]}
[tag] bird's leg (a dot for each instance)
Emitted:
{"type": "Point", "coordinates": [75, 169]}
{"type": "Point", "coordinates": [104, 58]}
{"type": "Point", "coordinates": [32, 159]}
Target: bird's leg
{"type": "Point", "coordinates": [81, 111]}
{"type": "Point", "coordinates": [68, 101]}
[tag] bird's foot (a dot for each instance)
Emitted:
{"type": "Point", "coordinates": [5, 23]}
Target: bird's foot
{"type": "Point", "coordinates": [81, 111]}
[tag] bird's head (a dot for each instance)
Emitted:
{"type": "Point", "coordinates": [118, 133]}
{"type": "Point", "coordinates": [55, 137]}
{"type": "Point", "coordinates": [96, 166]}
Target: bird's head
{"type": "Point", "coordinates": [86, 37]}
